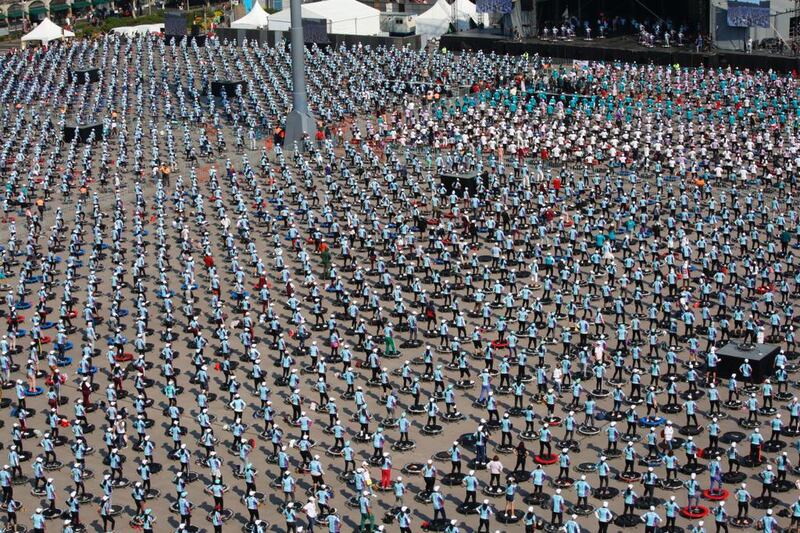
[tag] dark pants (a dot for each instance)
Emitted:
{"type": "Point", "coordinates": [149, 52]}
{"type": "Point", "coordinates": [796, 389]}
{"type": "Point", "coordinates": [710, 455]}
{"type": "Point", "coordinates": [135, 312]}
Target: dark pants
{"type": "Point", "coordinates": [744, 508]}
{"type": "Point", "coordinates": [108, 520]}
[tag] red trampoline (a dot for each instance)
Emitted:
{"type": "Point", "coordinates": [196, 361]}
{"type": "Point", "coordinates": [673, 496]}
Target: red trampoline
{"type": "Point", "coordinates": [545, 459]}
{"type": "Point", "coordinates": [694, 513]}
{"type": "Point", "coordinates": [717, 495]}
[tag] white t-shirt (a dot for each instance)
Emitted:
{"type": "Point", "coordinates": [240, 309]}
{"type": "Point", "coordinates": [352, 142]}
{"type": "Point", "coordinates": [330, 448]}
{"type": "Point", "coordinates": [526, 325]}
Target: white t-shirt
{"type": "Point", "coordinates": [495, 467]}
{"type": "Point", "coordinates": [310, 509]}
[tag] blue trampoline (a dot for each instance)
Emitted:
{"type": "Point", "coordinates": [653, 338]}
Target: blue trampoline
{"type": "Point", "coordinates": [92, 370]}
{"type": "Point", "coordinates": [652, 421]}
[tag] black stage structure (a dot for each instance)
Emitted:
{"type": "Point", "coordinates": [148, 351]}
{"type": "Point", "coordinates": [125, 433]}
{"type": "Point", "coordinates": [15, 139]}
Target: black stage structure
{"type": "Point", "coordinates": [615, 49]}
{"type": "Point", "coordinates": [228, 86]}
{"type": "Point", "coordinates": [693, 13]}
{"type": "Point", "coordinates": [760, 356]}
{"type": "Point", "coordinates": [83, 75]}
{"type": "Point", "coordinates": [82, 131]}
{"type": "Point", "coordinates": [458, 182]}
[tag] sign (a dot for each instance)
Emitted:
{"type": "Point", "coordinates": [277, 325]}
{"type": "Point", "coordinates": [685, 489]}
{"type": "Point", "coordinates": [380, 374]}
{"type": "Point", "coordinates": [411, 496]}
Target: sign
{"type": "Point", "coordinates": [745, 13]}
{"type": "Point", "coordinates": [494, 6]}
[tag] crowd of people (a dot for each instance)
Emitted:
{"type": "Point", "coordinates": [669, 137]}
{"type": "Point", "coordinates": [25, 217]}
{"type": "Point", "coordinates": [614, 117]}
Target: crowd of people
{"type": "Point", "coordinates": [481, 259]}
{"type": "Point", "coordinates": [666, 32]}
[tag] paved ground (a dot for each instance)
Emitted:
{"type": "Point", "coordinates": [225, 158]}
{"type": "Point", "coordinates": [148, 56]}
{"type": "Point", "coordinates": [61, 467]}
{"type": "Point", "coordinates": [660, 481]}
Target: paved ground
{"type": "Point", "coordinates": [266, 240]}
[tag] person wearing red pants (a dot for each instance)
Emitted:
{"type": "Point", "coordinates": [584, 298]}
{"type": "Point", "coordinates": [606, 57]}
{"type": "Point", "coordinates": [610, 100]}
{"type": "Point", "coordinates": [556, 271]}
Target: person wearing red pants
{"type": "Point", "coordinates": [386, 472]}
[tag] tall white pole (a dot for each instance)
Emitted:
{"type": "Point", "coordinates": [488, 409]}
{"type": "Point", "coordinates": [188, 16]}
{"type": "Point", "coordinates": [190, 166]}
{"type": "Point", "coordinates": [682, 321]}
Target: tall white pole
{"type": "Point", "coordinates": [299, 121]}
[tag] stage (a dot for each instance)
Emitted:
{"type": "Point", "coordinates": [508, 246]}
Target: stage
{"type": "Point", "coordinates": [615, 49]}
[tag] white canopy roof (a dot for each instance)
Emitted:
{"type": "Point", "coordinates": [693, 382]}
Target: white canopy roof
{"type": "Point", "coordinates": [47, 31]}
{"type": "Point", "coordinates": [348, 17]}
{"type": "Point", "coordinates": [255, 19]}
{"type": "Point", "coordinates": [139, 29]}
{"type": "Point", "coordinates": [436, 20]}
{"type": "Point", "coordinates": [464, 11]}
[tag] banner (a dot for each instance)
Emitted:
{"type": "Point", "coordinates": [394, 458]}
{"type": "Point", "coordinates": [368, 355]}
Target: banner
{"type": "Point", "coordinates": [745, 13]}
{"type": "Point", "coordinates": [493, 6]}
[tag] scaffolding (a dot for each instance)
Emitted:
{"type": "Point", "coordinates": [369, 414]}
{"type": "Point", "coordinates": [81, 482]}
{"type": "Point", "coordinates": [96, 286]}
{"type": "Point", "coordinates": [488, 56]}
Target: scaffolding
{"type": "Point", "coordinates": [523, 22]}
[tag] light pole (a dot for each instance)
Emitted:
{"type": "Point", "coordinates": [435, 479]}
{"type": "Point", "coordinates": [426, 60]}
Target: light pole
{"type": "Point", "coordinates": [299, 121]}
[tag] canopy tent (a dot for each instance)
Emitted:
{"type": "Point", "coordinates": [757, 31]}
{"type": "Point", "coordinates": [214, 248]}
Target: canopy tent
{"type": "Point", "coordinates": [436, 21]}
{"type": "Point", "coordinates": [348, 17]}
{"type": "Point", "coordinates": [465, 11]}
{"type": "Point", "coordinates": [139, 29]}
{"type": "Point", "coordinates": [255, 19]}
{"type": "Point", "coordinates": [46, 31]}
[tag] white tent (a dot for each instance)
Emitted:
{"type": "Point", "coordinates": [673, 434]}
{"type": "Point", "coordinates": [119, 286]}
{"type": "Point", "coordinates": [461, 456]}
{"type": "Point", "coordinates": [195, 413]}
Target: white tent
{"type": "Point", "coordinates": [139, 29]}
{"type": "Point", "coordinates": [46, 31]}
{"type": "Point", "coordinates": [257, 18]}
{"type": "Point", "coordinates": [348, 17]}
{"type": "Point", "coordinates": [437, 20]}
{"type": "Point", "coordinates": [464, 11]}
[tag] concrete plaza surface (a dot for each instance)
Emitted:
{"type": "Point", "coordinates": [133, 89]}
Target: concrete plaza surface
{"type": "Point", "coordinates": [207, 247]}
